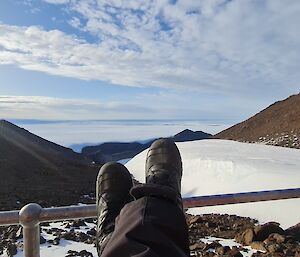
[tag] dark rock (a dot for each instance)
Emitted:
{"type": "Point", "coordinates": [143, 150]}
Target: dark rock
{"type": "Point", "coordinates": [234, 252]}
{"type": "Point", "coordinates": [210, 224]}
{"type": "Point", "coordinates": [195, 219]}
{"type": "Point", "coordinates": [69, 236]}
{"type": "Point", "coordinates": [85, 253]}
{"type": "Point", "coordinates": [212, 245]}
{"type": "Point", "coordinates": [221, 250]}
{"type": "Point", "coordinates": [262, 232]}
{"type": "Point", "coordinates": [275, 238]}
{"type": "Point", "coordinates": [42, 240]}
{"type": "Point", "coordinates": [92, 232]}
{"type": "Point", "coordinates": [82, 237]}
{"type": "Point", "coordinates": [72, 253]}
{"type": "Point", "coordinates": [11, 249]}
{"type": "Point", "coordinates": [294, 231]}
{"type": "Point", "coordinates": [78, 223]}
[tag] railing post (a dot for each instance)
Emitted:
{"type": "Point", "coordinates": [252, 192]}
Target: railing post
{"type": "Point", "coordinates": [29, 219]}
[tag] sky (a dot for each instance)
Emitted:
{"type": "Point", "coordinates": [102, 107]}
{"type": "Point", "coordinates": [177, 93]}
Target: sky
{"type": "Point", "coordinates": [184, 59]}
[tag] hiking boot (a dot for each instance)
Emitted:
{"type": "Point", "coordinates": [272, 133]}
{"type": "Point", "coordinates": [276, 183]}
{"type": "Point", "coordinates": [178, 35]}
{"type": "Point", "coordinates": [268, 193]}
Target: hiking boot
{"type": "Point", "coordinates": [164, 166]}
{"type": "Point", "coordinates": [112, 191]}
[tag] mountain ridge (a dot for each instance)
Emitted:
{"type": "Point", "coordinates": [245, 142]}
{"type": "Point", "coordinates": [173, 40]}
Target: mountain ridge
{"type": "Point", "coordinates": [278, 124]}
{"type": "Point", "coordinates": [114, 151]}
{"type": "Point", "coordinates": [35, 169]}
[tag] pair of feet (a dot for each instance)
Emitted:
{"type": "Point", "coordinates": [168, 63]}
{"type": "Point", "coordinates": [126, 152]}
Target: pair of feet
{"type": "Point", "coordinates": [114, 186]}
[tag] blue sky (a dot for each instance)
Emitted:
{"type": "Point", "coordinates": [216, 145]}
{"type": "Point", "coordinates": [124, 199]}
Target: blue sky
{"type": "Point", "coordinates": [208, 59]}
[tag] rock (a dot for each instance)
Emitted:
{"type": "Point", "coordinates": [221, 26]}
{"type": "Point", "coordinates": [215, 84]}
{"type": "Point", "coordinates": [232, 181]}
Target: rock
{"type": "Point", "coordinates": [82, 237]}
{"type": "Point", "coordinates": [210, 224]}
{"type": "Point", "coordinates": [68, 225]}
{"type": "Point", "coordinates": [221, 250]}
{"type": "Point", "coordinates": [196, 219]}
{"type": "Point", "coordinates": [212, 245]}
{"type": "Point", "coordinates": [69, 236]}
{"type": "Point", "coordinates": [294, 231]}
{"type": "Point", "coordinates": [273, 248]}
{"type": "Point", "coordinates": [258, 246]}
{"type": "Point", "coordinates": [11, 249]}
{"type": "Point", "coordinates": [92, 232]}
{"type": "Point", "coordinates": [277, 238]}
{"type": "Point", "coordinates": [72, 253]}
{"type": "Point", "coordinates": [262, 232]}
{"type": "Point", "coordinates": [78, 223]}
{"type": "Point", "coordinates": [234, 252]}
{"type": "Point", "coordinates": [199, 245]}
{"type": "Point", "coordinates": [85, 253]}
{"type": "Point", "coordinates": [246, 237]}
{"type": "Point", "coordinates": [42, 240]}
{"type": "Point", "coordinates": [91, 220]}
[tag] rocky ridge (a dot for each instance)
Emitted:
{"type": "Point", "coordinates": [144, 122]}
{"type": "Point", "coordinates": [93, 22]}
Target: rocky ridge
{"type": "Point", "coordinates": [37, 170]}
{"type": "Point", "coordinates": [278, 124]}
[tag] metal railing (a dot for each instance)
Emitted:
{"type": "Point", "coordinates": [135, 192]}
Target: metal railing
{"type": "Point", "coordinates": [32, 214]}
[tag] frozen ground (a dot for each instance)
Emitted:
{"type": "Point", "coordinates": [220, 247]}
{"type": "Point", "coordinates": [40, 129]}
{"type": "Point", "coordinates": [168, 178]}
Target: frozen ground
{"type": "Point", "coordinates": [230, 242]}
{"type": "Point", "coordinates": [50, 250]}
{"type": "Point", "coordinates": [223, 166]}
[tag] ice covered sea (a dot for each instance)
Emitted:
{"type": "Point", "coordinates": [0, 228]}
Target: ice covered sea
{"type": "Point", "coordinates": [76, 134]}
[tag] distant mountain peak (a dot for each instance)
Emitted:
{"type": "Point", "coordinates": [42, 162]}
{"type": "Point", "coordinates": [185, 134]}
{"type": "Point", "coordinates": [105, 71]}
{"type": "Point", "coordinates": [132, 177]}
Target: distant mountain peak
{"type": "Point", "coordinates": [189, 135]}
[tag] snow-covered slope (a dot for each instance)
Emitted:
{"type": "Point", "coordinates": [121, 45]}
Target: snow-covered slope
{"type": "Point", "coordinates": [222, 166]}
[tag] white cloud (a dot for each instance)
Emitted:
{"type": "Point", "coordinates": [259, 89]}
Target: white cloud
{"type": "Point", "coordinates": [41, 107]}
{"type": "Point", "coordinates": [57, 1]}
{"type": "Point", "coordinates": [211, 45]}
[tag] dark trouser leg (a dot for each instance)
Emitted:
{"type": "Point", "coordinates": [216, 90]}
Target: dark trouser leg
{"type": "Point", "coordinates": [149, 226]}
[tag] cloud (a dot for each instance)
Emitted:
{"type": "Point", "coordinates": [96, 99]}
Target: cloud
{"type": "Point", "coordinates": [221, 46]}
{"type": "Point", "coordinates": [41, 107]}
{"type": "Point", "coordinates": [57, 1]}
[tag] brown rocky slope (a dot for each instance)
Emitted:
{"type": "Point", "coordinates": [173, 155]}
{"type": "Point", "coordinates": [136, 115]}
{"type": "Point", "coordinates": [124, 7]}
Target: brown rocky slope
{"type": "Point", "coordinates": [33, 169]}
{"type": "Point", "coordinates": [279, 124]}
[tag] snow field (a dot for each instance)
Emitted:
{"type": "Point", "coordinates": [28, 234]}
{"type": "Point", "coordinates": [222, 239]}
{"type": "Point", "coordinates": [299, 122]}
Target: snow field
{"type": "Point", "coordinates": [223, 166]}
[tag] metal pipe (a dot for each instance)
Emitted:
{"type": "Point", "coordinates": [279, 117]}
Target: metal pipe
{"type": "Point", "coordinates": [9, 218]}
{"type": "Point", "coordinates": [90, 211]}
{"type": "Point", "coordinates": [224, 199]}
{"type": "Point", "coordinates": [29, 219]}
{"type": "Point", "coordinates": [68, 212]}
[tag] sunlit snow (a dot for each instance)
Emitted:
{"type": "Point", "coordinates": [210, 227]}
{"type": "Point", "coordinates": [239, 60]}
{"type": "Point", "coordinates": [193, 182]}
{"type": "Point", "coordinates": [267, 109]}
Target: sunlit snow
{"type": "Point", "coordinates": [223, 166]}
